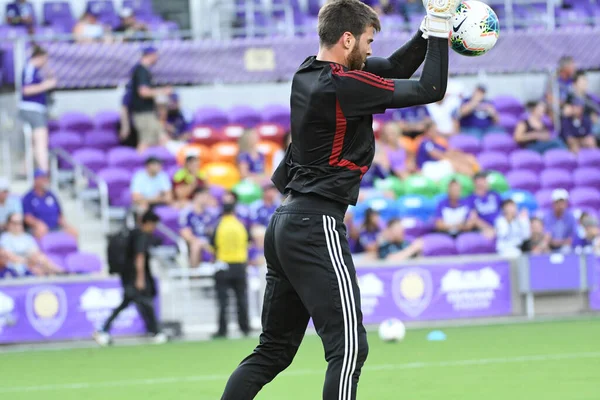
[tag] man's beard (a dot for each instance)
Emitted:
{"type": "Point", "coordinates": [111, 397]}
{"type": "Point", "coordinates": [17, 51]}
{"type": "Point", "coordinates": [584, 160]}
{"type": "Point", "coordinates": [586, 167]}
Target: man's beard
{"type": "Point", "coordinates": [355, 60]}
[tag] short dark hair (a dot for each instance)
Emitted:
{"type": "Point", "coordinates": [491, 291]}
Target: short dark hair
{"type": "Point", "coordinates": [150, 217]}
{"type": "Point", "coordinates": [199, 190]}
{"type": "Point", "coordinates": [38, 51]}
{"type": "Point", "coordinates": [393, 222]}
{"type": "Point", "coordinates": [339, 16]}
{"type": "Point", "coordinates": [507, 202]}
{"type": "Point", "coordinates": [578, 74]}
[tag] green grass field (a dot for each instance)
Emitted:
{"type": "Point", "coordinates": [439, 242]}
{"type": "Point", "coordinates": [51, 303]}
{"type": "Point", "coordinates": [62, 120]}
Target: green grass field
{"type": "Point", "coordinates": [549, 361]}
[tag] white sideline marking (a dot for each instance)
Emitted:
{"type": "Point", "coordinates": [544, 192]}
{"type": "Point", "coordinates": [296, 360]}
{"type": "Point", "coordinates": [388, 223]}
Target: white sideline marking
{"type": "Point", "coordinates": [302, 372]}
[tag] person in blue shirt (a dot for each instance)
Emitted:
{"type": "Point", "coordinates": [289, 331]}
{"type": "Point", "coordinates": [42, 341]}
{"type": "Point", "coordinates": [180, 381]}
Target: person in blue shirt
{"type": "Point", "coordinates": [42, 209]}
{"type": "Point", "coordinates": [478, 116]}
{"type": "Point", "coordinates": [262, 210]}
{"type": "Point", "coordinates": [151, 186]}
{"type": "Point", "coordinates": [34, 104]}
{"type": "Point", "coordinates": [486, 203]}
{"type": "Point", "coordinates": [250, 161]}
{"type": "Point", "coordinates": [20, 13]}
{"type": "Point", "coordinates": [560, 223]}
{"type": "Point", "coordinates": [454, 215]}
{"type": "Point", "coordinates": [197, 226]}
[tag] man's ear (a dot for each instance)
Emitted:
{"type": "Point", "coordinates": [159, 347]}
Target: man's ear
{"type": "Point", "coordinates": [347, 40]}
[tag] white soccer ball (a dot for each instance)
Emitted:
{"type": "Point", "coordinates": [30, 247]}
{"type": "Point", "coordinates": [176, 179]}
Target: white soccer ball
{"type": "Point", "coordinates": [475, 29]}
{"type": "Point", "coordinates": [392, 330]}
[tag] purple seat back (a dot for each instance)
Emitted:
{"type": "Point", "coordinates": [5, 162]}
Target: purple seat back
{"type": "Point", "coordinates": [107, 120]}
{"type": "Point", "coordinates": [474, 243]}
{"type": "Point", "coordinates": [526, 159]}
{"type": "Point", "coordinates": [58, 260]}
{"type": "Point", "coordinates": [277, 114]}
{"type": "Point", "coordinates": [53, 125]}
{"type": "Point", "coordinates": [560, 158]}
{"type": "Point", "coordinates": [556, 178]}
{"type": "Point", "coordinates": [125, 157]}
{"type": "Point", "coordinates": [523, 180]}
{"type": "Point", "coordinates": [105, 9]}
{"type": "Point", "coordinates": [93, 159]}
{"type": "Point", "coordinates": [68, 141]}
{"type": "Point", "coordinates": [494, 161]}
{"type": "Point", "coordinates": [508, 122]}
{"type": "Point", "coordinates": [438, 244]}
{"type": "Point", "coordinates": [124, 200]}
{"type": "Point", "coordinates": [169, 217]}
{"type": "Point", "coordinates": [167, 158]}
{"type": "Point", "coordinates": [59, 243]}
{"type": "Point", "coordinates": [415, 227]}
{"type": "Point", "coordinates": [117, 180]}
{"type": "Point", "coordinates": [508, 104]}
{"type": "Point", "coordinates": [57, 11]}
{"type": "Point", "coordinates": [211, 116]}
{"type": "Point", "coordinates": [139, 6]}
{"type": "Point", "coordinates": [76, 122]}
{"type": "Point", "coordinates": [102, 140]}
{"type": "Point", "coordinates": [544, 198]}
{"type": "Point", "coordinates": [587, 177]}
{"type": "Point", "coordinates": [246, 116]}
{"type": "Point", "coordinates": [466, 143]}
{"type": "Point", "coordinates": [217, 191]}
{"type": "Point", "coordinates": [589, 158]}
{"type": "Point", "coordinates": [585, 197]}
{"type": "Point", "coordinates": [500, 142]}
{"type": "Point", "coordinates": [83, 263]}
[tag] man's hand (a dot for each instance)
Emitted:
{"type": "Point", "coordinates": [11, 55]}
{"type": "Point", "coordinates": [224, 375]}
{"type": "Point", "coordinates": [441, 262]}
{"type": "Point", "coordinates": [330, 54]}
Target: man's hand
{"type": "Point", "coordinates": [140, 284]}
{"type": "Point", "coordinates": [50, 84]}
{"type": "Point", "coordinates": [40, 229]}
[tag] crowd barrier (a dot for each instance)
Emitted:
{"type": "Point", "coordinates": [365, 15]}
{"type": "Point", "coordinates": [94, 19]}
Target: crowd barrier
{"type": "Point", "coordinates": [420, 290]}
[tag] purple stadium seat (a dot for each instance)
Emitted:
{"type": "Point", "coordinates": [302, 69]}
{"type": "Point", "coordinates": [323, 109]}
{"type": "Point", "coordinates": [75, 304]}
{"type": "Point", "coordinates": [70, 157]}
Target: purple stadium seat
{"type": "Point", "coordinates": [587, 177]}
{"type": "Point", "coordinates": [466, 143]}
{"type": "Point", "coordinates": [125, 157]}
{"type": "Point", "coordinates": [60, 243]}
{"type": "Point", "coordinates": [438, 244]}
{"type": "Point", "coordinates": [544, 198]}
{"type": "Point", "coordinates": [139, 7]}
{"type": "Point", "coordinates": [494, 161]}
{"type": "Point", "coordinates": [93, 159]}
{"type": "Point", "coordinates": [506, 104]}
{"type": "Point", "coordinates": [523, 180]}
{"type": "Point", "coordinates": [124, 200]}
{"type": "Point", "coordinates": [313, 7]}
{"type": "Point", "coordinates": [53, 125]}
{"type": "Point", "coordinates": [474, 243]}
{"type": "Point", "coordinates": [556, 178]}
{"type": "Point", "coordinates": [167, 158]}
{"type": "Point", "coordinates": [83, 263]}
{"type": "Point", "coordinates": [526, 159]}
{"type": "Point", "coordinates": [217, 191]}
{"type": "Point", "coordinates": [76, 122]}
{"type": "Point", "coordinates": [277, 114]}
{"type": "Point", "coordinates": [107, 120]}
{"type": "Point", "coordinates": [560, 158]}
{"type": "Point", "coordinates": [169, 217]}
{"type": "Point", "coordinates": [57, 12]}
{"type": "Point", "coordinates": [102, 140]}
{"type": "Point", "coordinates": [501, 142]}
{"type": "Point", "coordinates": [58, 260]}
{"type": "Point", "coordinates": [508, 122]}
{"type": "Point", "coordinates": [117, 180]}
{"type": "Point", "coordinates": [585, 197]}
{"type": "Point", "coordinates": [68, 141]}
{"type": "Point", "coordinates": [246, 116]}
{"type": "Point", "coordinates": [211, 116]}
{"type": "Point", "coordinates": [105, 9]}
{"type": "Point", "coordinates": [416, 227]}
{"type": "Point", "coordinates": [589, 158]}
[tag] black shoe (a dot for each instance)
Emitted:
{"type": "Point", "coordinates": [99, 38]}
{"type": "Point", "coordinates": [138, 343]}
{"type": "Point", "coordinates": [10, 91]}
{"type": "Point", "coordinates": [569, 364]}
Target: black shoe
{"type": "Point", "coordinates": [219, 335]}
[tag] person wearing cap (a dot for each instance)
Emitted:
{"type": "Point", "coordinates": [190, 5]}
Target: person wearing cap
{"type": "Point", "coordinates": [42, 209]}
{"type": "Point", "coordinates": [486, 203]}
{"type": "Point", "coordinates": [8, 204]}
{"type": "Point", "coordinates": [560, 223]}
{"type": "Point", "coordinates": [587, 239]}
{"type": "Point", "coordinates": [143, 101]}
{"type": "Point", "coordinates": [261, 210]}
{"type": "Point", "coordinates": [513, 229]}
{"type": "Point", "coordinates": [151, 186]}
{"type": "Point", "coordinates": [130, 28]}
{"type": "Point", "coordinates": [477, 115]}
{"type": "Point", "coordinates": [187, 180]}
{"type": "Point", "coordinates": [88, 29]}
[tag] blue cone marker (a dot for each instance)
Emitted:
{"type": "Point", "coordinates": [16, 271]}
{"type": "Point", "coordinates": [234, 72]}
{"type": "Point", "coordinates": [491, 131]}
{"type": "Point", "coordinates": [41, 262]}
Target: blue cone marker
{"type": "Point", "coordinates": [436, 336]}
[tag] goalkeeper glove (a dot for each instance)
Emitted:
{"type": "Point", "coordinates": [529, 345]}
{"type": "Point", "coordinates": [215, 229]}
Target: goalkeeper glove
{"type": "Point", "coordinates": [438, 22]}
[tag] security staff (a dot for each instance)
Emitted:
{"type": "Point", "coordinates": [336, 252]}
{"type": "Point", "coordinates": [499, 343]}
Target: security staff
{"type": "Point", "coordinates": [230, 242]}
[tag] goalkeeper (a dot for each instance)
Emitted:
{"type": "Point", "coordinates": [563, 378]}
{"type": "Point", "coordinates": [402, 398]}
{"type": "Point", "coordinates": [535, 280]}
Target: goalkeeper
{"type": "Point", "coordinates": [310, 269]}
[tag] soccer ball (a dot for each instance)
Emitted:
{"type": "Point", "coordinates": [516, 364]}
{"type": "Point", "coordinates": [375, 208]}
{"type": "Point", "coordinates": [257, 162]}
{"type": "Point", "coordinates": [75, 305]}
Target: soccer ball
{"type": "Point", "coordinates": [475, 29]}
{"type": "Point", "coordinates": [392, 330]}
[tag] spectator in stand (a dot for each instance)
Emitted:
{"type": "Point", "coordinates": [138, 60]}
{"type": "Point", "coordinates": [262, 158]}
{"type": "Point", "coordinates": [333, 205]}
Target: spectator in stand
{"type": "Point", "coordinates": [130, 28]}
{"type": "Point", "coordinates": [8, 204]}
{"type": "Point", "coordinates": [369, 232]}
{"type": "Point", "coordinates": [588, 235]}
{"type": "Point", "coordinates": [477, 114]}
{"type": "Point", "coordinates": [151, 186]}
{"type": "Point", "coordinates": [566, 73]}
{"type": "Point", "coordinates": [250, 161]}
{"type": "Point", "coordinates": [414, 120]}
{"type": "Point", "coordinates": [453, 214]}
{"type": "Point", "coordinates": [197, 226]}
{"type": "Point", "coordinates": [187, 180]}
{"type": "Point", "coordinates": [539, 243]}
{"type": "Point", "coordinates": [486, 203]}
{"type": "Point", "coordinates": [88, 29]}
{"type": "Point", "coordinates": [21, 13]}
{"type": "Point", "coordinates": [143, 96]}
{"type": "Point", "coordinates": [177, 125]}
{"type": "Point", "coordinates": [533, 133]}
{"type": "Point", "coordinates": [560, 223]}
{"type": "Point", "coordinates": [42, 209]}
{"type": "Point", "coordinates": [21, 251]}
{"type": "Point", "coordinates": [393, 246]}
{"type": "Point", "coordinates": [577, 125]}
{"type": "Point", "coordinates": [262, 210]}
{"type": "Point", "coordinates": [256, 252]}
{"type": "Point", "coordinates": [34, 102]}
{"type": "Point", "coordinates": [390, 156]}
{"type": "Point", "coordinates": [436, 160]}
{"type": "Point", "coordinates": [280, 154]}
{"type": "Point", "coordinates": [513, 230]}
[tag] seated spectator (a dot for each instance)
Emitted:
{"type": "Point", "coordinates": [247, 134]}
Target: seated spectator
{"type": "Point", "coordinates": [250, 161]}
{"type": "Point", "coordinates": [453, 214]}
{"type": "Point", "coordinates": [20, 13]}
{"type": "Point", "coordinates": [187, 180]}
{"type": "Point", "coordinates": [42, 209]}
{"type": "Point", "coordinates": [262, 210]}
{"type": "Point", "coordinates": [413, 120]}
{"type": "Point", "coordinates": [369, 232]}
{"type": "Point", "coordinates": [577, 125]}
{"type": "Point", "coordinates": [394, 247]}
{"type": "Point", "coordinates": [436, 161]}
{"type": "Point", "coordinates": [256, 251]}
{"type": "Point", "coordinates": [21, 252]}
{"type": "Point", "coordinates": [486, 203]}
{"type": "Point", "coordinates": [88, 29]}
{"type": "Point", "coordinates": [532, 133]}
{"type": "Point", "coordinates": [477, 115]}
{"type": "Point", "coordinates": [197, 225]}
{"type": "Point", "coordinates": [513, 230]}
{"type": "Point", "coordinates": [588, 235]}
{"type": "Point", "coordinates": [560, 223]}
{"type": "Point", "coordinates": [130, 28]}
{"type": "Point", "coordinates": [390, 157]}
{"type": "Point", "coordinates": [177, 126]}
{"type": "Point", "coordinates": [8, 204]}
{"type": "Point", "coordinates": [539, 242]}
{"type": "Point", "coordinates": [444, 115]}
{"type": "Point", "coordinates": [151, 186]}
